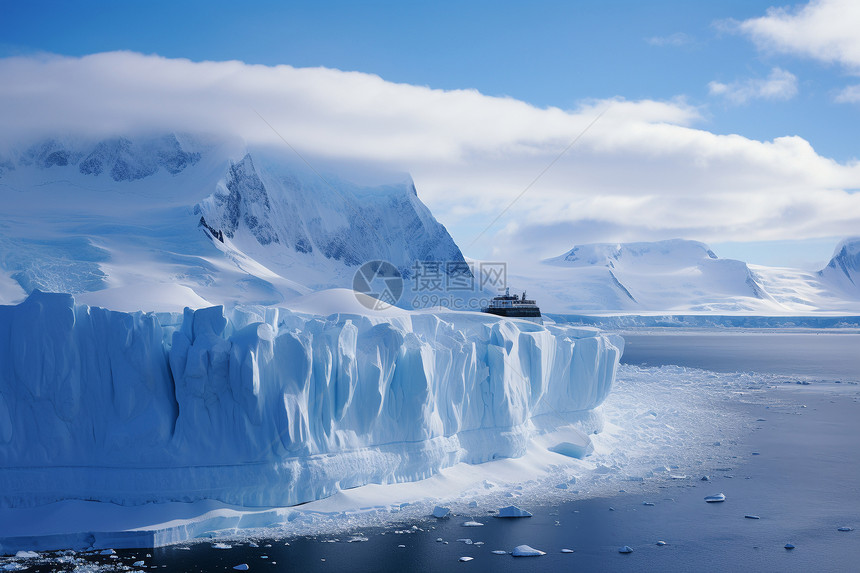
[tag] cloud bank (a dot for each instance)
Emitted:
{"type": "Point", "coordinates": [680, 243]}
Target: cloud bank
{"type": "Point", "coordinates": [641, 172]}
{"type": "Point", "coordinates": [823, 29]}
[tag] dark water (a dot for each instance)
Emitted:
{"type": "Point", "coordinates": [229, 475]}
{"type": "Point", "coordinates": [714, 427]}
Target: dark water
{"type": "Point", "coordinates": [823, 355]}
{"type": "Point", "coordinates": [803, 485]}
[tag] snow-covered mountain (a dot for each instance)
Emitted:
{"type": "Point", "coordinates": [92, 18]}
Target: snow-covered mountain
{"type": "Point", "coordinates": [160, 222]}
{"type": "Point", "coordinates": [681, 276]}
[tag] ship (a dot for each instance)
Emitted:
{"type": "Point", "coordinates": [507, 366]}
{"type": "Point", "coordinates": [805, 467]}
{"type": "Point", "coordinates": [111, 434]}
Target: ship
{"type": "Point", "coordinates": [513, 306]}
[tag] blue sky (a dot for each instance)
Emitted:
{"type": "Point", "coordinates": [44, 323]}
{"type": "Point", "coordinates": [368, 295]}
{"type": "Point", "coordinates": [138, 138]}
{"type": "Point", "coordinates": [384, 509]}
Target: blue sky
{"type": "Point", "coordinates": [561, 54]}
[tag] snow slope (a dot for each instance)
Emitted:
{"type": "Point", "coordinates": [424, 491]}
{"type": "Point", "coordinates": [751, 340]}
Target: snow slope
{"type": "Point", "coordinates": [126, 220]}
{"type": "Point", "coordinates": [680, 276]}
{"type": "Point", "coordinates": [270, 406]}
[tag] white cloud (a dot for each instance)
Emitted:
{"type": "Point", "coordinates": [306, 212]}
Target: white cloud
{"type": "Point", "coordinates": [850, 94]}
{"type": "Point", "coordinates": [826, 30]}
{"type": "Point", "coordinates": [643, 171]}
{"type": "Point", "coordinates": [674, 40]}
{"type": "Point", "coordinates": [779, 85]}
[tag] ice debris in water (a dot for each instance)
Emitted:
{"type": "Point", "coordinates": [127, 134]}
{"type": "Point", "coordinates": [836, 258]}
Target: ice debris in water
{"type": "Point", "coordinates": [357, 539]}
{"type": "Point", "coordinates": [27, 555]}
{"type": "Point", "coordinates": [625, 549]}
{"type": "Point", "coordinates": [648, 503]}
{"type": "Point", "coordinates": [513, 511]}
{"type": "Point", "coordinates": [499, 552]}
{"type": "Point", "coordinates": [107, 552]}
{"type": "Point", "coordinates": [252, 544]}
{"type": "Point", "coordinates": [705, 478]}
{"type": "Point", "coordinates": [845, 529]}
{"type": "Point", "coordinates": [472, 524]}
{"type": "Point", "coordinates": [464, 559]}
{"type": "Point", "coordinates": [138, 564]}
{"type": "Point", "coordinates": [440, 512]}
{"type": "Point", "coordinates": [466, 541]}
{"type": "Point", "coordinates": [716, 498]}
{"type": "Point", "coordinates": [661, 543]}
{"type": "Point", "coordinates": [241, 567]}
{"type": "Point", "coordinates": [526, 551]}
{"type": "Point", "coordinates": [567, 550]}
{"type": "Point", "coordinates": [789, 545]}
{"type": "Point", "coordinates": [221, 546]}
{"type": "Point", "coordinates": [752, 517]}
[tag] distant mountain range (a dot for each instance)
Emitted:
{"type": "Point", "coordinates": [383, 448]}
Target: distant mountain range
{"type": "Point", "coordinates": [160, 222]}
{"type": "Point", "coordinates": [681, 276]}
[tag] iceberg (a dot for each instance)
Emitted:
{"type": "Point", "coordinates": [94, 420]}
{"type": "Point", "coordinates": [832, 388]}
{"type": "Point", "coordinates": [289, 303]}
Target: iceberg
{"type": "Point", "coordinates": [268, 407]}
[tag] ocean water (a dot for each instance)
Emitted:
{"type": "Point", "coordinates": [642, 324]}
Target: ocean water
{"type": "Point", "coordinates": [822, 354]}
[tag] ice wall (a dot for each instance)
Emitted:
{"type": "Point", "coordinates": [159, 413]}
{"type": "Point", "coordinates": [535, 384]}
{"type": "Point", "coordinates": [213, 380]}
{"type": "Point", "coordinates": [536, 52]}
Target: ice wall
{"type": "Point", "coordinates": [272, 407]}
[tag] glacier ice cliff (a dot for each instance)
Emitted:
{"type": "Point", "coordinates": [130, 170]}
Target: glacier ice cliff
{"type": "Point", "coordinates": [262, 406]}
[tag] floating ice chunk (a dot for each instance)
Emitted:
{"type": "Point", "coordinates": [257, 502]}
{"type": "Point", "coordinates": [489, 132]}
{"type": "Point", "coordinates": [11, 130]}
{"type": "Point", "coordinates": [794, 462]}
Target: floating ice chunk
{"type": "Point", "coordinates": [221, 546]}
{"type": "Point", "coordinates": [789, 545]}
{"type": "Point", "coordinates": [625, 549]}
{"type": "Point", "coordinates": [716, 498]}
{"type": "Point", "coordinates": [472, 524]}
{"type": "Point", "coordinates": [107, 552]}
{"type": "Point", "coordinates": [479, 543]}
{"type": "Point", "coordinates": [466, 541]}
{"type": "Point", "coordinates": [526, 551]}
{"type": "Point", "coordinates": [498, 552]}
{"type": "Point", "coordinates": [438, 540]}
{"type": "Point", "coordinates": [137, 564]}
{"type": "Point", "coordinates": [661, 543]}
{"type": "Point", "coordinates": [513, 511]}
{"type": "Point", "coordinates": [648, 503]}
{"type": "Point", "coordinates": [401, 546]}
{"type": "Point", "coordinates": [441, 512]}
{"type": "Point", "coordinates": [752, 517]}
{"type": "Point", "coordinates": [465, 559]}
{"type": "Point", "coordinates": [27, 555]}
{"type": "Point", "coordinates": [12, 567]}
{"type": "Point", "coordinates": [845, 529]}
{"type": "Point", "coordinates": [252, 544]}
{"type": "Point", "coordinates": [678, 476]}
{"type": "Point", "coordinates": [357, 539]}
{"type": "Point", "coordinates": [241, 567]}
{"type": "Point", "coordinates": [567, 550]}
{"type": "Point", "coordinates": [705, 478]}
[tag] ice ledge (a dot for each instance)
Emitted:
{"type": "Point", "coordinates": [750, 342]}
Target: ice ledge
{"type": "Point", "coordinates": [270, 407]}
